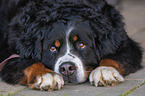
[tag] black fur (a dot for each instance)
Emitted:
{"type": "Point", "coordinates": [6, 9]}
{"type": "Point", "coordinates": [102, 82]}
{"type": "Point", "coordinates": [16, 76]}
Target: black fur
{"type": "Point", "coordinates": [28, 27]}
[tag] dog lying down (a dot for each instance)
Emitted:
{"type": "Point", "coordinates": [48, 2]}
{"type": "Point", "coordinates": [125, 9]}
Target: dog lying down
{"type": "Point", "coordinates": [64, 41]}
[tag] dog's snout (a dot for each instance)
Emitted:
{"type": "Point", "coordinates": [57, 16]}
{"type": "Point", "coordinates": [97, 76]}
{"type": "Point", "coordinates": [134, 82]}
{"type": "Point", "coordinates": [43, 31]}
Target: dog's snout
{"type": "Point", "coordinates": [67, 69]}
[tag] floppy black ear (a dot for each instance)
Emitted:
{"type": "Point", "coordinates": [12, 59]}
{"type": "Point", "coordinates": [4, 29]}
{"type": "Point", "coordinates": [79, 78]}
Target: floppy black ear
{"type": "Point", "coordinates": [27, 41]}
{"type": "Point", "coordinates": [108, 29]}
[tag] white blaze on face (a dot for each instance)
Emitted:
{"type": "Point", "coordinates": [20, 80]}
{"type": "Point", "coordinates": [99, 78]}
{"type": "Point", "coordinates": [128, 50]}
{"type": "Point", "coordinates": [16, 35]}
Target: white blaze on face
{"type": "Point", "coordinates": [69, 57]}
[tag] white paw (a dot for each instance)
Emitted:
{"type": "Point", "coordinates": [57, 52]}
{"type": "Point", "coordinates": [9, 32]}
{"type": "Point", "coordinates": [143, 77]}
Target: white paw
{"type": "Point", "coordinates": [49, 82]}
{"type": "Point", "coordinates": [105, 76]}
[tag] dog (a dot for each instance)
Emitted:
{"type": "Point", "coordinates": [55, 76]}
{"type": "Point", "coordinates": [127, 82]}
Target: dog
{"type": "Point", "coordinates": [57, 42]}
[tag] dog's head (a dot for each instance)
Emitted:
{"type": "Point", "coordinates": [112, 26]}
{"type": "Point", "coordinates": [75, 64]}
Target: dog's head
{"type": "Point", "coordinates": [67, 36]}
{"type": "Point", "coordinates": [69, 49]}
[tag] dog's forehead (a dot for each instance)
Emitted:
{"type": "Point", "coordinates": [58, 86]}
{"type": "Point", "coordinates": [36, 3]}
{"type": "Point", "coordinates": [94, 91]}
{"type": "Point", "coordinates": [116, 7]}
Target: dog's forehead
{"type": "Point", "coordinates": [66, 31]}
{"type": "Point", "coordinates": [72, 27]}
{"type": "Point", "coordinates": [57, 30]}
{"type": "Point", "coordinates": [82, 28]}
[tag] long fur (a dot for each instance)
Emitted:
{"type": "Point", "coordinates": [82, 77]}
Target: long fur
{"type": "Point", "coordinates": [24, 25]}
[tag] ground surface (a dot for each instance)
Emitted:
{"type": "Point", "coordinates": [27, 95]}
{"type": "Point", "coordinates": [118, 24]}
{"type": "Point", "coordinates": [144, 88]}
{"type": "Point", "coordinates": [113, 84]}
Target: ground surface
{"type": "Point", "coordinates": [134, 85]}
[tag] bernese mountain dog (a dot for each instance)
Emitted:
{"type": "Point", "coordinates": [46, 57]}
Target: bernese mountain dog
{"type": "Point", "coordinates": [45, 44]}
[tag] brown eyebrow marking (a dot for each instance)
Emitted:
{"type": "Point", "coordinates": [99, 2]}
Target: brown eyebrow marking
{"type": "Point", "coordinates": [75, 38]}
{"type": "Point", "coordinates": [57, 43]}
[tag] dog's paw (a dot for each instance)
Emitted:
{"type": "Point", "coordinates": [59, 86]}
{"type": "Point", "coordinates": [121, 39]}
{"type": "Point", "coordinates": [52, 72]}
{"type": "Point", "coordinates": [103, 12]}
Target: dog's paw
{"type": "Point", "coordinates": [49, 81]}
{"type": "Point", "coordinates": [105, 76]}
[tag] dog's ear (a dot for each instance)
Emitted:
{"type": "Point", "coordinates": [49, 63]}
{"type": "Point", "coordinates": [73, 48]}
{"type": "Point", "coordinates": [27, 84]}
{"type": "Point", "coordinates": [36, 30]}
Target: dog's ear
{"type": "Point", "coordinates": [28, 42]}
{"type": "Point", "coordinates": [108, 29]}
{"type": "Point", "coordinates": [117, 34]}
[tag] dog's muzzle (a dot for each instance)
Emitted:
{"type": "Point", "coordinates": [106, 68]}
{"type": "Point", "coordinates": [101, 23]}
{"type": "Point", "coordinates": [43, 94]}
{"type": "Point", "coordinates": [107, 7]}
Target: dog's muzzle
{"type": "Point", "coordinates": [71, 68]}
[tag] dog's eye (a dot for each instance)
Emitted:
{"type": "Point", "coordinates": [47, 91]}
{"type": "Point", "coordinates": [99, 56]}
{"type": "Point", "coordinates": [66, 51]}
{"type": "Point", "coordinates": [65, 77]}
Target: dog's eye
{"type": "Point", "coordinates": [81, 45]}
{"type": "Point", "coordinates": [52, 49]}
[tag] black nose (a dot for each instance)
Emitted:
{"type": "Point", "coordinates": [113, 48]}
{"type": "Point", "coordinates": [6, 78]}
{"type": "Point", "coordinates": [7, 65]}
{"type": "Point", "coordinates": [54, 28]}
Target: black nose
{"type": "Point", "coordinates": [67, 69]}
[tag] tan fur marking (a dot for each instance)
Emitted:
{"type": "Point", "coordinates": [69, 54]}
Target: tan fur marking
{"type": "Point", "coordinates": [114, 64]}
{"type": "Point", "coordinates": [88, 71]}
{"type": "Point", "coordinates": [57, 43]}
{"type": "Point", "coordinates": [75, 38]}
{"type": "Point", "coordinates": [31, 73]}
